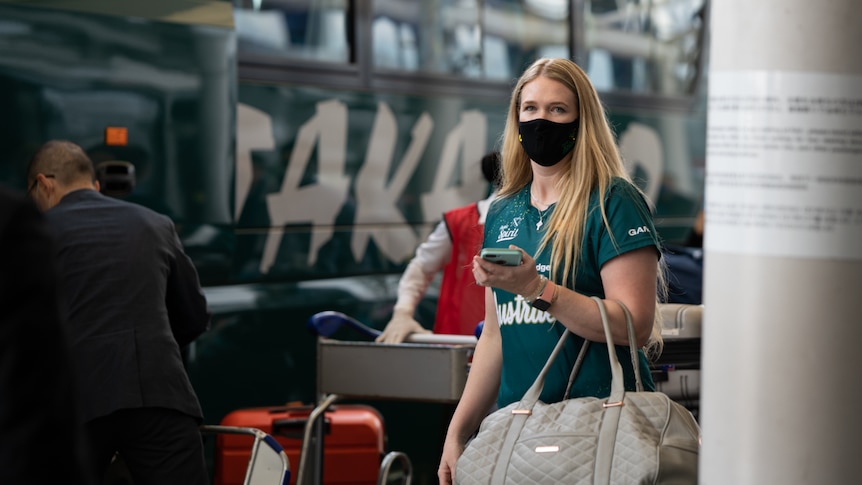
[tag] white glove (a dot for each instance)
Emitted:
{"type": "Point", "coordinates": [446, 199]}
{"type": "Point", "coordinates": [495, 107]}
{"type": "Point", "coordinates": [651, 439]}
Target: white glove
{"type": "Point", "coordinates": [400, 327]}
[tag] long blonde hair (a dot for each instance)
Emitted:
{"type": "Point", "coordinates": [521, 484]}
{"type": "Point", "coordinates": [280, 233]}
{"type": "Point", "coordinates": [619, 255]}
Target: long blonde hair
{"type": "Point", "coordinates": [592, 165]}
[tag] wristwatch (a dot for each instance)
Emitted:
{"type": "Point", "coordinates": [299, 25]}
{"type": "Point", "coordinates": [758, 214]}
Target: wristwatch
{"type": "Point", "coordinates": [546, 299]}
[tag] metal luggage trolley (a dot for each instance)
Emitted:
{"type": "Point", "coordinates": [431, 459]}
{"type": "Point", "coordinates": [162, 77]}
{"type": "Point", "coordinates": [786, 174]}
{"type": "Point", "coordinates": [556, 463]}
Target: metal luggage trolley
{"type": "Point", "coordinates": [369, 370]}
{"type": "Point", "coordinates": [677, 370]}
{"type": "Point", "coordinates": [267, 464]}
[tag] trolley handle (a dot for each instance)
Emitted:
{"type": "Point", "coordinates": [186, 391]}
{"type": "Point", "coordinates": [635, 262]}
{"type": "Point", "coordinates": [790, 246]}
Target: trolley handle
{"type": "Point", "coordinates": [293, 428]}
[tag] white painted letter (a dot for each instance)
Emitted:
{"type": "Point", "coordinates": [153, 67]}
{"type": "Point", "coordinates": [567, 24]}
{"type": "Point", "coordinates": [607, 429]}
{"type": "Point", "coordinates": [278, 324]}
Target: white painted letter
{"type": "Point", "coordinates": [317, 203]}
{"type": "Point", "coordinates": [376, 196]}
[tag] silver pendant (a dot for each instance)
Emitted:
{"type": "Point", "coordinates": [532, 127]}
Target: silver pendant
{"type": "Point", "coordinates": [538, 224]}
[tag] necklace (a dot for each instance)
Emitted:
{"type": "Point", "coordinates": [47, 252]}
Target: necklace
{"type": "Point", "coordinates": [540, 211]}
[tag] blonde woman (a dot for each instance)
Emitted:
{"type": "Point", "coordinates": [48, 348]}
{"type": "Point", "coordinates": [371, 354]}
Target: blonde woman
{"type": "Point", "coordinates": [566, 202]}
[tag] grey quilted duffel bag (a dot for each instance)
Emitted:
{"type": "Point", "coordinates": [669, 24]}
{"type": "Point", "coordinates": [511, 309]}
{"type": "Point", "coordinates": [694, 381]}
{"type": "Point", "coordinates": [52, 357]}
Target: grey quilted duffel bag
{"type": "Point", "coordinates": [628, 438]}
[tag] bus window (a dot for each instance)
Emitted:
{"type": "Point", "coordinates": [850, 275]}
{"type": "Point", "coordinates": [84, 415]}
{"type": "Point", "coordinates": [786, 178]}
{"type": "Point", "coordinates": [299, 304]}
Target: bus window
{"type": "Point", "coordinates": [645, 47]}
{"type": "Point", "coordinates": [490, 39]}
{"type": "Point", "coordinates": [296, 29]}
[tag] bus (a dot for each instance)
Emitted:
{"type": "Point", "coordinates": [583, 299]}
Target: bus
{"type": "Point", "coordinates": [304, 148]}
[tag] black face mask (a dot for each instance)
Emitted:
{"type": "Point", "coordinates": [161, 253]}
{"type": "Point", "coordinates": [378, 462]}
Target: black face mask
{"type": "Point", "coordinates": [547, 142]}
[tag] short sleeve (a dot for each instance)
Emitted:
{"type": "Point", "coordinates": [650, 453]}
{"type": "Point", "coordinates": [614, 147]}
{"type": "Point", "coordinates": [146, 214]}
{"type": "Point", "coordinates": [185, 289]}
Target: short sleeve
{"type": "Point", "coordinates": [630, 222]}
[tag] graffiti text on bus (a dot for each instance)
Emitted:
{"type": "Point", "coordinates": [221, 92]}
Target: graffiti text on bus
{"type": "Point", "coordinates": [319, 203]}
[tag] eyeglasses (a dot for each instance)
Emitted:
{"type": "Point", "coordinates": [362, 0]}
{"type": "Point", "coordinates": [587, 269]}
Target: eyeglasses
{"type": "Point", "coordinates": [36, 181]}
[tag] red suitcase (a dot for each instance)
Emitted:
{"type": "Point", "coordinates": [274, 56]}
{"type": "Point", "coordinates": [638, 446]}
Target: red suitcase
{"type": "Point", "coordinates": [353, 442]}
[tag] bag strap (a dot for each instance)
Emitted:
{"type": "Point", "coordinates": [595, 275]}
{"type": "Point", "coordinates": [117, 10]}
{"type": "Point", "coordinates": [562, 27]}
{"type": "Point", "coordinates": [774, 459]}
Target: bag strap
{"type": "Point", "coordinates": [633, 349]}
{"type": "Point", "coordinates": [577, 367]}
{"type": "Point", "coordinates": [613, 406]}
{"type": "Point", "coordinates": [618, 387]}
{"type": "Point", "coordinates": [532, 394]}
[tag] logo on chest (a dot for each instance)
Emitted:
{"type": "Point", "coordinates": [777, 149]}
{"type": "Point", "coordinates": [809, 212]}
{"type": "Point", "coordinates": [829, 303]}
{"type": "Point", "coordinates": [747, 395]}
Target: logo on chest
{"type": "Point", "coordinates": [509, 231]}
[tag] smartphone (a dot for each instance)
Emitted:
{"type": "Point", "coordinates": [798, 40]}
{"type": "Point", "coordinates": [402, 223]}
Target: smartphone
{"type": "Point", "coordinates": [508, 257]}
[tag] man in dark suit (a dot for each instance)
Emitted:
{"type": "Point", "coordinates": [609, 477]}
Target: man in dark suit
{"type": "Point", "coordinates": [131, 299]}
{"type": "Point", "coordinates": [38, 408]}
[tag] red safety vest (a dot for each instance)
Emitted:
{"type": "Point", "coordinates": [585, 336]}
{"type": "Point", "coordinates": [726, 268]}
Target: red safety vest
{"type": "Point", "coordinates": [462, 302]}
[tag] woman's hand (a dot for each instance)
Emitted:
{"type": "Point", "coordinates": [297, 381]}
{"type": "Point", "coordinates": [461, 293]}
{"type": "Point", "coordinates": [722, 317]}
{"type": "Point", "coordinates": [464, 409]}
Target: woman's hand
{"type": "Point", "coordinates": [522, 279]}
{"type": "Point", "coordinates": [452, 450]}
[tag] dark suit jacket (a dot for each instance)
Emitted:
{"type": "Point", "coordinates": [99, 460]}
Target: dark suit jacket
{"type": "Point", "coordinates": [131, 298]}
{"type": "Point", "coordinates": [37, 391]}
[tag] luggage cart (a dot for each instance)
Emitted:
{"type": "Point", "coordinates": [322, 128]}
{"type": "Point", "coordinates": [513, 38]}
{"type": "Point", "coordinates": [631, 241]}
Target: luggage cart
{"type": "Point", "coordinates": [369, 370]}
{"type": "Point", "coordinates": [267, 464]}
{"type": "Point", "coordinates": [677, 371]}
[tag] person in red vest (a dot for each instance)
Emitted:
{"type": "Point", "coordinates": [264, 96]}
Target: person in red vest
{"type": "Point", "coordinates": [450, 248]}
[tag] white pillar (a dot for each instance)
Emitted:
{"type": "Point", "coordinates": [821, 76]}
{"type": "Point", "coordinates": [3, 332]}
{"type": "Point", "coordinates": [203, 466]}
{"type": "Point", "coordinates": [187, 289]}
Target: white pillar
{"type": "Point", "coordinates": [781, 401]}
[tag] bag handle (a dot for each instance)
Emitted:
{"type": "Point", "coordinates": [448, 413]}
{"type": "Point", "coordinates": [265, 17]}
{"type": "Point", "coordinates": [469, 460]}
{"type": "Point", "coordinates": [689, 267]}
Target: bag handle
{"type": "Point", "coordinates": [532, 395]}
{"type": "Point", "coordinates": [618, 388]}
{"type": "Point", "coordinates": [577, 367]}
{"type": "Point", "coordinates": [612, 407]}
{"type": "Point", "coordinates": [617, 382]}
{"type": "Point", "coordinates": [633, 348]}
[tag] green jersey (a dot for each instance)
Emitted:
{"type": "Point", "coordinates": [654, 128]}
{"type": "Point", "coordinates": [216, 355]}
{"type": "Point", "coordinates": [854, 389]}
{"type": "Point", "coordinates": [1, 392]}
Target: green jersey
{"type": "Point", "coordinates": [529, 335]}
